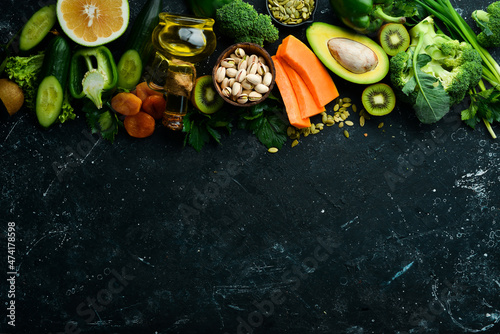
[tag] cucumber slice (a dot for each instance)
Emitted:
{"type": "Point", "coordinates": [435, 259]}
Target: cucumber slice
{"type": "Point", "coordinates": [49, 101]}
{"type": "Point", "coordinates": [37, 27]}
{"type": "Point", "coordinates": [129, 69]}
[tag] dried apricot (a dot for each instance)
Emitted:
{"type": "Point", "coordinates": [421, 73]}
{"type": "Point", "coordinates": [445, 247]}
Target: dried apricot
{"type": "Point", "coordinates": [140, 125]}
{"type": "Point", "coordinates": [155, 106]}
{"type": "Point", "coordinates": [142, 91]}
{"type": "Point", "coordinates": [126, 103]}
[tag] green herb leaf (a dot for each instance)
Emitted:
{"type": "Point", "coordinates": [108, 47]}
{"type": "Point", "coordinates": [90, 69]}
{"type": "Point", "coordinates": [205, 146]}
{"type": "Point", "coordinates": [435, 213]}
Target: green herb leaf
{"type": "Point", "coordinates": [102, 121]}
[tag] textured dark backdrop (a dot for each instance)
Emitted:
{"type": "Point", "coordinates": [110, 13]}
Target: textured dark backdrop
{"type": "Point", "coordinates": [394, 232]}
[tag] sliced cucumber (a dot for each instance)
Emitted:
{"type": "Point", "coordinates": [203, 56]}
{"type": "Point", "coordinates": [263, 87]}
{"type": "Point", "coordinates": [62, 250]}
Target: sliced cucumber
{"type": "Point", "coordinates": [129, 69]}
{"type": "Point", "coordinates": [49, 101]}
{"type": "Point", "coordinates": [37, 27]}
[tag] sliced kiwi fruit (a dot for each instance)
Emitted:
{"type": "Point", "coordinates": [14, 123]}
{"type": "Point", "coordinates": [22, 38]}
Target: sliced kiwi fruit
{"type": "Point", "coordinates": [378, 99]}
{"type": "Point", "coordinates": [204, 96]}
{"type": "Point", "coordinates": [393, 37]}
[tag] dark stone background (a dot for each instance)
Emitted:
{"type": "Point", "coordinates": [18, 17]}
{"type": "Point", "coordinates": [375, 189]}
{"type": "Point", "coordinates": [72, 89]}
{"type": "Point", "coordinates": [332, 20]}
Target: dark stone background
{"type": "Point", "coordinates": [395, 232]}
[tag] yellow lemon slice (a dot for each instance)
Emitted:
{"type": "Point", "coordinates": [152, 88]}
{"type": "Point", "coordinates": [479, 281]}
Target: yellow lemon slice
{"type": "Point", "coordinates": [93, 22]}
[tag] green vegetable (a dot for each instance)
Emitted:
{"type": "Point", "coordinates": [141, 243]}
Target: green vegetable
{"type": "Point", "coordinates": [485, 105]}
{"type": "Point", "coordinates": [129, 70]}
{"type": "Point", "coordinates": [102, 121]}
{"type": "Point", "coordinates": [267, 121]}
{"type": "Point", "coordinates": [435, 72]}
{"type": "Point", "coordinates": [138, 48]}
{"type": "Point", "coordinates": [205, 8]}
{"type": "Point", "coordinates": [49, 101]}
{"type": "Point", "coordinates": [37, 27]}
{"type": "Point", "coordinates": [54, 76]}
{"type": "Point", "coordinates": [459, 29]}
{"type": "Point", "coordinates": [241, 22]}
{"type": "Point", "coordinates": [92, 72]}
{"type": "Point", "coordinates": [489, 23]}
{"type": "Point", "coordinates": [200, 127]}
{"type": "Point", "coordinates": [367, 16]}
{"type": "Point", "coordinates": [24, 71]}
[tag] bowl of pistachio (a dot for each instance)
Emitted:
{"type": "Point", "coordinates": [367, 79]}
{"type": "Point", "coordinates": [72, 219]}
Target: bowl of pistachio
{"type": "Point", "coordinates": [244, 74]}
{"type": "Point", "coordinates": [292, 13]}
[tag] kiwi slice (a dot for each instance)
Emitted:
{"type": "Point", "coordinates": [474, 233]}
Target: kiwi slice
{"type": "Point", "coordinates": [204, 96]}
{"type": "Point", "coordinates": [378, 99]}
{"type": "Point", "coordinates": [393, 37]}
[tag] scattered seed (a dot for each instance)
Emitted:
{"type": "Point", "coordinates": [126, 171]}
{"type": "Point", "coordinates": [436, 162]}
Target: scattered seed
{"type": "Point", "coordinates": [272, 150]}
{"type": "Point", "coordinates": [295, 143]}
{"type": "Point", "coordinates": [381, 125]}
{"type": "Point", "coordinates": [346, 105]}
{"type": "Point", "coordinates": [336, 107]}
{"type": "Point", "coordinates": [362, 121]}
{"type": "Point", "coordinates": [346, 133]}
{"type": "Point", "coordinates": [341, 124]}
{"type": "Point", "coordinates": [354, 108]}
{"type": "Point", "coordinates": [349, 123]}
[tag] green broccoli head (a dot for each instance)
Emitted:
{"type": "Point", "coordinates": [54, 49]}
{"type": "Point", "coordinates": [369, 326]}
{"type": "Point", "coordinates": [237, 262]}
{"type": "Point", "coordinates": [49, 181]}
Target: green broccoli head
{"type": "Point", "coordinates": [457, 65]}
{"type": "Point", "coordinates": [402, 77]}
{"type": "Point", "coordinates": [489, 23]}
{"type": "Point", "coordinates": [240, 21]}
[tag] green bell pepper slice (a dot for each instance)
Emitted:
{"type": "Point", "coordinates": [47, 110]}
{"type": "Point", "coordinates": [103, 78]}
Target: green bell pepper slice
{"type": "Point", "coordinates": [92, 72]}
{"type": "Point", "coordinates": [365, 16]}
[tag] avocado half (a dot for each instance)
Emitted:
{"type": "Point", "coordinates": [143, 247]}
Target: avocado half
{"type": "Point", "coordinates": [319, 33]}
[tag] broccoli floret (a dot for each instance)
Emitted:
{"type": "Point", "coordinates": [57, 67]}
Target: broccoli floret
{"type": "Point", "coordinates": [489, 23]}
{"type": "Point", "coordinates": [240, 21]}
{"type": "Point", "coordinates": [455, 64]}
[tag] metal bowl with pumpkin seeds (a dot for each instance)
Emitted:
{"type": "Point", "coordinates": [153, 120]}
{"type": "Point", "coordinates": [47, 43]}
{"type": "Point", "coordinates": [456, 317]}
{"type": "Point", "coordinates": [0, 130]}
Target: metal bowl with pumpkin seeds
{"type": "Point", "coordinates": [292, 13]}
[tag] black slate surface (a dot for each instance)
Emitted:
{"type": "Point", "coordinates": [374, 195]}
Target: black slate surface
{"type": "Point", "coordinates": [394, 232]}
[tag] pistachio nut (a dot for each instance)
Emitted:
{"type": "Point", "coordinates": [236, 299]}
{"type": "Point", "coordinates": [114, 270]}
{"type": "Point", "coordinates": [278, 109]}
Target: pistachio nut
{"type": "Point", "coordinates": [224, 83]}
{"type": "Point", "coordinates": [252, 69]}
{"type": "Point", "coordinates": [254, 96]}
{"type": "Point", "coordinates": [243, 64]}
{"type": "Point", "coordinates": [243, 98]}
{"type": "Point", "coordinates": [231, 72]}
{"type": "Point", "coordinates": [226, 92]}
{"type": "Point", "coordinates": [246, 84]}
{"type": "Point", "coordinates": [254, 79]}
{"type": "Point", "coordinates": [239, 52]}
{"type": "Point", "coordinates": [267, 79]}
{"type": "Point", "coordinates": [236, 89]}
{"type": "Point", "coordinates": [228, 63]}
{"type": "Point", "coordinates": [240, 76]}
{"type": "Point", "coordinates": [220, 74]}
{"type": "Point", "coordinates": [261, 88]}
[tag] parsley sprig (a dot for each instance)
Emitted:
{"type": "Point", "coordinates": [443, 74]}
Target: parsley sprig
{"type": "Point", "coordinates": [266, 120]}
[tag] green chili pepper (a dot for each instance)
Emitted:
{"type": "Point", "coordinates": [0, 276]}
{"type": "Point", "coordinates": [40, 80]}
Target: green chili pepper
{"type": "Point", "coordinates": [365, 16]}
{"type": "Point", "coordinates": [92, 72]}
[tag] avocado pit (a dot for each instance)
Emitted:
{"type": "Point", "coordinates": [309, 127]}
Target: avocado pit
{"type": "Point", "coordinates": [352, 55]}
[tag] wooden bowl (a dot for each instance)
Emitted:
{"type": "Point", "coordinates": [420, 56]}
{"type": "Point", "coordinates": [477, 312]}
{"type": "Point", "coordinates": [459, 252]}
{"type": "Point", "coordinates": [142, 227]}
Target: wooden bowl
{"type": "Point", "coordinates": [250, 49]}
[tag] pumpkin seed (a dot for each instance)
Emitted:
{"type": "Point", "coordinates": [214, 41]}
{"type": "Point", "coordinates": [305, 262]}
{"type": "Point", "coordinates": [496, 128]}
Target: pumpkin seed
{"type": "Point", "coordinates": [336, 107]}
{"type": "Point", "coordinates": [381, 125]}
{"type": "Point", "coordinates": [346, 105]}
{"type": "Point", "coordinates": [354, 108]}
{"type": "Point", "coordinates": [349, 123]}
{"type": "Point", "coordinates": [295, 143]}
{"type": "Point", "coordinates": [290, 131]}
{"type": "Point", "coordinates": [346, 99]}
{"type": "Point", "coordinates": [362, 121]}
{"type": "Point", "coordinates": [341, 124]}
{"type": "Point", "coordinates": [346, 133]}
{"type": "Point", "coordinates": [272, 150]}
